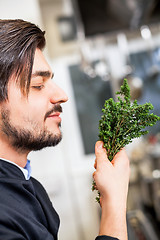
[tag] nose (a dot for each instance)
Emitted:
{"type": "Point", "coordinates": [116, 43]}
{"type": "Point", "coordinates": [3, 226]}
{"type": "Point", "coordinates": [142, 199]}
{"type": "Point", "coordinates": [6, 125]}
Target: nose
{"type": "Point", "coordinates": [58, 95]}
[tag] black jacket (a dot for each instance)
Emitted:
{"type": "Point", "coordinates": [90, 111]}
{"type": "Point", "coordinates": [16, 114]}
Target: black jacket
{"type": "Point", "coordinates": [26, 212]}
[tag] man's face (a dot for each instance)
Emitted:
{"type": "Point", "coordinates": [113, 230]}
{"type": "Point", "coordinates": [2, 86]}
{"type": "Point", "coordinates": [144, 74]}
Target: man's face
{"type": "Point", "coordinates": [33, 123]}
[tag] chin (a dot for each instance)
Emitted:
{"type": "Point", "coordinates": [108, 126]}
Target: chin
{"type": "Point", "coordinates": [54, 131]}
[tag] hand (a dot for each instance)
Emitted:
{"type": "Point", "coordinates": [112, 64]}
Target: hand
{"type": "Point", "coordinates": [111, 177]}
{"type": "Point", "coordinates": [112, 180]}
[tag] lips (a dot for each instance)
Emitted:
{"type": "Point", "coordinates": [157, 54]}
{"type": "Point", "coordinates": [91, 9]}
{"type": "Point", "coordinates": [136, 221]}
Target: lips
{"type": "Point", "coordinates": [54, 114]}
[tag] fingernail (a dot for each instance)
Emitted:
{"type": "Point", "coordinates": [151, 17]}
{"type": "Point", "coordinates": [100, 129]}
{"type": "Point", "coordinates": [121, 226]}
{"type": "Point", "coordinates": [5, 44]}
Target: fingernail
{"type": "Point", "coordinates": [100, 145]}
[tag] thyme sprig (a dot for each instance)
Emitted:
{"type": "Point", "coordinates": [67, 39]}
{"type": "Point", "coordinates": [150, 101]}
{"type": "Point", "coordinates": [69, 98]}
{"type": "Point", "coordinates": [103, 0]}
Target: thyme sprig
{"type": "Point", "coordinates": [122, 121]}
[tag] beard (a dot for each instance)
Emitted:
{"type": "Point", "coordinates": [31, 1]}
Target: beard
{"type": "Point", "coordinates": [23, 139]}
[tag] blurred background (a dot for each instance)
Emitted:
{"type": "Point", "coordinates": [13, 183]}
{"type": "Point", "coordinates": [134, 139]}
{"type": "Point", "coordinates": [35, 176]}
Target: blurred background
{"type": "Point", "coordinates": [92, 46]}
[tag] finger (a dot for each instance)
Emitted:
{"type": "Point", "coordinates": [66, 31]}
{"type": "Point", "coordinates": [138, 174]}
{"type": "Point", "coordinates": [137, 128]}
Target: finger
{"type": "Point", "coordinates": [95, 164]}
{"type": "Point", "coordinates": [100, 201]}
{"type": "Point", "coordinates": [94, 174]}
{"type": "Point", "coordinates": [101, 154]}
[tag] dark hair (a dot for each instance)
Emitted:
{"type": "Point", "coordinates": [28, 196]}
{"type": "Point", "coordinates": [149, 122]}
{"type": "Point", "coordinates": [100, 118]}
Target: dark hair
{"type": "Point", "coordinates": [18, 42]}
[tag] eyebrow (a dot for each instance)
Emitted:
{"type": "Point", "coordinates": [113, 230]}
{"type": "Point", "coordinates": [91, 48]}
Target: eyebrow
{"type": "Point", "coordinates": [46, 74]}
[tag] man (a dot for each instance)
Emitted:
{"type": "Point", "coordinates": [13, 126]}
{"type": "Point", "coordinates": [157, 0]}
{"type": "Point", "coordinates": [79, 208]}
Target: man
{"type": "Point", "coordinates": [30, 107]}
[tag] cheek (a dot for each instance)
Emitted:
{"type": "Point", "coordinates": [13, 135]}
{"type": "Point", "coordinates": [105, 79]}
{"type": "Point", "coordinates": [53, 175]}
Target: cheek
{"type": "Point", "coordinates": [36, 105]}
{"type": "Point", "coordinates": [24, 110]}
{"type": "Point", "coordinates": [36, 111]}
{"type": "Point", "coordinates": [27, 114]}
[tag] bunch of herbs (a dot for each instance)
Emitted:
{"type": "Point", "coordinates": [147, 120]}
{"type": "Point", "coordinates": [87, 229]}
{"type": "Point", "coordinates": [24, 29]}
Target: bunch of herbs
{"type": "Point", "coordinates": [122, 121]}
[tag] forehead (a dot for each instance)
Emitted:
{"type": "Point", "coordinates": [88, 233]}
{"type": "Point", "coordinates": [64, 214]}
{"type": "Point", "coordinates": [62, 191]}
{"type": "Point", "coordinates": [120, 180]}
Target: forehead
{"type": "Point", "coordinates": [40, 63]}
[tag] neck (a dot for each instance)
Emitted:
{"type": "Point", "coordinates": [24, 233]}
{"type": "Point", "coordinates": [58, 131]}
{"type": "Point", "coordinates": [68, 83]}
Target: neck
{"type": "Point", "coordinates": [9, 153]}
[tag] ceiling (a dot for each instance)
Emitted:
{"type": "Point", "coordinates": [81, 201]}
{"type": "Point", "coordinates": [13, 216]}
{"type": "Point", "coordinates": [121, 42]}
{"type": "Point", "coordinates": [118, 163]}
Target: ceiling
{"type": "Point", "coordinates": [112, 15]}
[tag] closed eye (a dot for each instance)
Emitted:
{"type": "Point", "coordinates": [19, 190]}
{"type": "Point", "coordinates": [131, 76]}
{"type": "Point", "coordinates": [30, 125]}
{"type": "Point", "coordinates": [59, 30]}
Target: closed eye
{"type": "Point", "coordinates": [38, 87]}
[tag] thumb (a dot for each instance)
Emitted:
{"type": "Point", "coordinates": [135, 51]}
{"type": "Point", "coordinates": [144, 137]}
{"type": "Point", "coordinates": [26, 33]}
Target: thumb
{"type": "Point", "coordinates": [100, 152]}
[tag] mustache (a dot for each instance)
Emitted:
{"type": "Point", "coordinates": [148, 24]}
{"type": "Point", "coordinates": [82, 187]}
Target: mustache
{"type": "Point", "coordinates": [56, 108]}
